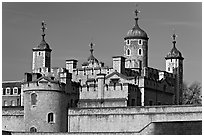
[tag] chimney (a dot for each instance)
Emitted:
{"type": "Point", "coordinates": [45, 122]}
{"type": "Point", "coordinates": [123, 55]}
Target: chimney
{"type": "Point", "coordinates": [119, 64]}
{"type": "Point", "coordinates": [71, 64]}
{"type": "Point", "coordinates": [101, 82]}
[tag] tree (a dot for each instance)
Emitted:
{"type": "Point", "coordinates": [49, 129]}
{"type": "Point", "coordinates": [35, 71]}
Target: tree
{"type": "Point", "coordinates": [192, 94]}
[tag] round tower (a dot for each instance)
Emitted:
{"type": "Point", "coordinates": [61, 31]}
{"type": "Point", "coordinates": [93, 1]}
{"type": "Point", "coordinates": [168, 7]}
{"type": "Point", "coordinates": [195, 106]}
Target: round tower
{"type": "Point", "coordinates": [136, 47]}
{"type": "Point", "coordinates": [45, 106]}
{"type": "Point", "coordinates": [41, 54]}
{"type": "Point", "coordinates": [174, 64]}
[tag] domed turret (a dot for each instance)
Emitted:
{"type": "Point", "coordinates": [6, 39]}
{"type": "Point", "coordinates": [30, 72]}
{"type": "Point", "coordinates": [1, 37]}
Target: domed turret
{"type": "Point", "coordinates": [41, 54]}
{"type": "Point", "coordinates": [136, 32]}
{"type": "Point", "coordinates": [92, 61]}
{"type": "Point", "coordinates": [174, 53]}
{"type": "Point", "coordinates": [43, 44]}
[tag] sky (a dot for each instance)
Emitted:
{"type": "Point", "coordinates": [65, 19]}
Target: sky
{"type": "Point", "coordinates": [71, 27]}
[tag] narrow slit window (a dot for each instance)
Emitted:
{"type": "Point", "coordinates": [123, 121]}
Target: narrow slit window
{"type": "Point", "coordinates": [128, 42]}
{"type": "Point", "coordinates": [50, 118]}
{"type": "Point", "coordinates": [140, 42]}
{"type": "Point", "coordinates": [140, 51]}
{"type": "Point", "coordinates": [128, 52]}
{"type": "Point", "coordinates": [33, 99]}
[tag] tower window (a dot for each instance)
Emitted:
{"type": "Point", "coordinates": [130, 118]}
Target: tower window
{"type": "Point", "coordinates": [168, 68]}
{"type": "Point", "coordinates": [5, 103]}
{"type": "Point", "coordinates": [15, 90]}
{"type": "Point", "coordinates": [128, 52]}
{"type": "Point", "coordinates": [33, 129]}
{"type": "Point", "coordinates": [8, 90]}
{"type": "Point", "coordinates": [33, 99]}
{"type": "Point", "coordinates": [39, 53]}
{"type": "Point", "coordinates": [128, 42]}
{"type": "Point", "coordinates": [140, 52]}
{"type": "Point", "coordinates": [50, 118]}
{"type": "Point", "coordinates": [12, 103]}
{"type": "Point", "coordinates": [140, 42]}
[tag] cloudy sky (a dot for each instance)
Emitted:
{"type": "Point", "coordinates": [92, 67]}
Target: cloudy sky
{"type": "Point", "coordinates": [72, 26]}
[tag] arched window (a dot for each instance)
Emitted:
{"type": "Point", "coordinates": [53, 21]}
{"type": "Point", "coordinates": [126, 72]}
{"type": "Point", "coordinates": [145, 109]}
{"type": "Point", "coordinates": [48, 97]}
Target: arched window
{"type": "Point", "coordinates": [13, 103]}
{"type": "Point", "coordinates": [128, 42]}
{"type": "Point", "coordinates": [8, 90]}
{"type": "Point", "coordinates": [5, 103]}
{"type": "Point", "coordinates": [15, 90]}
{"type": "Point", "coordinates": [139, 42]}
{"type": "Point", "coordinates": [33, 129]}
{"type": "Point", "coordinates": [128, 52]}
{"type": "Point", "coordinates": [50, 118]}
{"type": "Point", "coordinates": [33, 99]}
{"type": "Point", "coordinates": [140, 52]}
{"type": "Point", "coordinates": [168, 68]}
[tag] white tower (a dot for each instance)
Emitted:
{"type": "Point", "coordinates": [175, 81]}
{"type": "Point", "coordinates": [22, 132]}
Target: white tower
{"type": "Point", "coordinates": [136, 47]}
{"type": "Point", "coordinates": [174, 64]}
{"type": "Point", "coordinates": [41, 54]}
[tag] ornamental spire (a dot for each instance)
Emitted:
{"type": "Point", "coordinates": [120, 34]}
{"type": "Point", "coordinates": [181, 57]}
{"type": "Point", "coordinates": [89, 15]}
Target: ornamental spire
{"type": "Point", "coordinates": [136, 16]}
{"type": "Point", "coordinates": [43, 30]}
{"type": "Point", "coordinates": [174, 37]}
{"type": "Point", "coordinates": [91, 50]}
{"type": "Point", "coordinates": [136, 11]}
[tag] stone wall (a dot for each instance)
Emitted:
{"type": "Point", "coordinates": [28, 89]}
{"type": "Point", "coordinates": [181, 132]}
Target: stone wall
{"type": "Point", "coordinates": [130, 119]}
{"type": "Point", "coordinates": [13, 118]}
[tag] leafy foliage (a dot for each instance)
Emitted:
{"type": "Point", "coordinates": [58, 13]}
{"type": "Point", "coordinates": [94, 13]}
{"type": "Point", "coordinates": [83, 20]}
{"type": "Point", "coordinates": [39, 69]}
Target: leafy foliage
{"type": "Point", "coordinates": [192, 94]}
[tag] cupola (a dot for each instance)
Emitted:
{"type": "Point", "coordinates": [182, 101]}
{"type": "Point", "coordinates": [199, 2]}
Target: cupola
{"type": "Point", "coordinates": [136, 32]}
{"type": "Point", "coordinates": [174, 53]}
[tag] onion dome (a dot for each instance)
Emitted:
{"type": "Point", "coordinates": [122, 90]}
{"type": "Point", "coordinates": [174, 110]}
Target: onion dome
{"type": "Point", "coordinates": [43, 44]}
{"type": "Point", "coordinates": [174, 53]}
{"type": "Point", "coordinates": [136, 32]}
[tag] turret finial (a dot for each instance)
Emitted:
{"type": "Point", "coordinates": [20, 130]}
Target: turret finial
{"type": "Point", "coordinates": [91, 50]}
{"type": "Point", "coordinates": [136, 11]}
{"type": "Point", "coordinates": [174, 37]}
{"type": "Point", "coordinates": [43, 30]}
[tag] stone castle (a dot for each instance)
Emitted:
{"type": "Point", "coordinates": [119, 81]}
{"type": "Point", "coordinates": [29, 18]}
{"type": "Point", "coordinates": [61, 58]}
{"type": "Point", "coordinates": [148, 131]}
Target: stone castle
{"type": "Point", "coordinates": [47, 96]}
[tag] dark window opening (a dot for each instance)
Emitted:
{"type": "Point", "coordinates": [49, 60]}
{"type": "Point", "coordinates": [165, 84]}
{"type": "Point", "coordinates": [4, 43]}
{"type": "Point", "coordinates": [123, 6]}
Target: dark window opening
{"type": "Point", "coordinates": [128, 52]}
{"type": "Point", "coordinates": [114, 86]}
{"type": "Point", "coordinates": [140, 51]}
{"type": "Point", "coordinates": [140, 42]}
{"type": "Point", "coordinates": [114, 80]}
{"type": "Point", "coordinates": [18, 102]}
{"type": "Point", "coordinates": [4, 92]}
{"type": "Point", "coordinates": [107, 87]}
{"type": "Point", "coordinates": [133, 102]}
{"type": "Point", "coordinates": [50, 117]}
{"type": "Point", "coordinates": [128, 42]}
{"type": "Point", "coordinates": [33, 129]}
{"type": "Point", "coordinates": [33, 99]}
{"type": "Point", "coordinates": [150, 102]}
